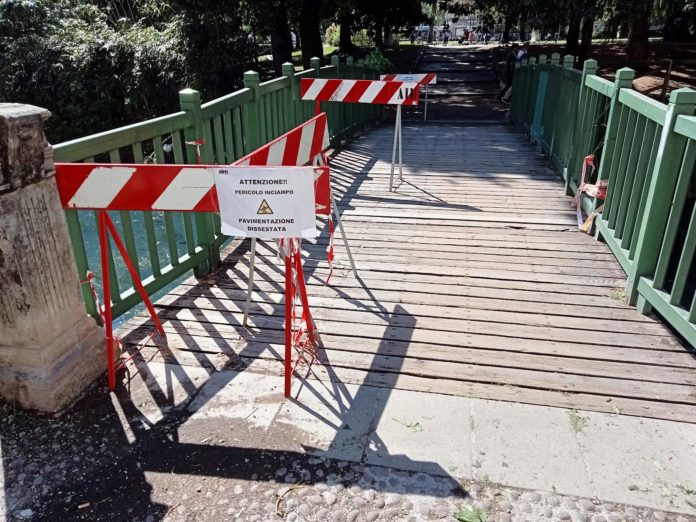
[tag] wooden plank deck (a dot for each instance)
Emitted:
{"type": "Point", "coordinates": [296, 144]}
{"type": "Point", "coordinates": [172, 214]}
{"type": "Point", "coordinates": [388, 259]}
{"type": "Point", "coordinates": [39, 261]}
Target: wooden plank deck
{"type": "Point", "coordinates": [474, 281]}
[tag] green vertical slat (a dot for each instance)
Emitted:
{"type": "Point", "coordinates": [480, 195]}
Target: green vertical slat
{"type": "Point", "coordinates": [629, 175]}
{"type": "Point", "coordinates": [148, 221]}
{"type": "Point", "coordinates": [293, 96]}
{"type": "Point", "coordinates": [78, 243]}
{"type": "Point", "coordinates": [646, 150]}
{"type": "Point", "coordinates": [675, 214]}
{"type": "Point", "coordinates": [188, 233]}
{"type": "Point", "coordinates": [220, 153]}
{"type": "Point", "coordinates": [126, 224]}
{"type": "Point", "coordinates": [178, 149]}
{"type": "Point", "coordinates": [619, 175]}
{"type": "Point", "coordinates": [644, 194]}
{"type": "Point", "coordinates": [230, 153]}
{"type": "Point", "coordinates": [113, 277]}
{"type": "Point", "coordinates": [263, 126]}
{"type": "Point", "coordinates": [692, 310]}
{"type": "Point", "coordinates": [685, 261]}
{"type": "Point", "coordinates": [238, 138]}
{"type": "Point", "coordinates": [615, 159]}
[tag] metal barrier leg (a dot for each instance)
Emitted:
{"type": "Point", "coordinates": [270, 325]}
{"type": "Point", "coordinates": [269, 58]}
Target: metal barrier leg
{"type": "Point", "coordinates": [106, 289]}
{"type": "Point", "coordinates": [425, 109]}
{"type": "Point", "coordinates": [250, 288]}
{"type": "Point", "coordinates": [288, 325]}
{"type": "Point", "coordinates": [401, 162]}
{"type": "Point", "coordinates": [396, 137]}
{"type": "Point", "coordinates": [343, 233]}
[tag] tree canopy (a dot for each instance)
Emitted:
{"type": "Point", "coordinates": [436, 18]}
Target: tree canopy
{"type": "Point", "coordinates": [98, 64]}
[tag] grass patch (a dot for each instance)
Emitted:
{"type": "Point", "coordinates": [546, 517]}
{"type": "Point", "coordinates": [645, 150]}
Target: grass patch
{"type": "Point", "coordinates": [577, 421]}
{"type": "Point", "coordinates": [469, 513]}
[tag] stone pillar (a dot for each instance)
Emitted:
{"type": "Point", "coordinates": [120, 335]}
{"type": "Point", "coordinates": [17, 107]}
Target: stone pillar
{"type": "Point", "coordinates": [50, 349]}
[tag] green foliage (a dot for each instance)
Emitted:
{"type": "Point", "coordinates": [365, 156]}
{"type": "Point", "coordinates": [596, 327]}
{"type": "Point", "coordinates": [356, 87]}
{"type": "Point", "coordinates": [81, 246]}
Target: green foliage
{"type": "Point", "coordinates": [378, 61]}
{"type": "Point", "coordinates": [333, 35]}
{"type": "Point", "coordinates": [471, 514]}
{"type": "Point", "coordinates": [97, 67]}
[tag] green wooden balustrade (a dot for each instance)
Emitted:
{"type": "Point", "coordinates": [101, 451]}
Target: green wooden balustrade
{"type": "Point", "coordinates": [646, 151]}
{"type": "Point", "coordinates": [166, 245]}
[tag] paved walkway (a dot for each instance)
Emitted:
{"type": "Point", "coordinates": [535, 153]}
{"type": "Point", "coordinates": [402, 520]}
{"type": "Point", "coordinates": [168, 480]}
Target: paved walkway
{"type": "Point", "coordinates": [467, 84]}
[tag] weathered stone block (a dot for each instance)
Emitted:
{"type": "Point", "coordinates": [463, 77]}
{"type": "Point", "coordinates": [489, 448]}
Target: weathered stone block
{"type": "Point", "coordinates": [50, 350]}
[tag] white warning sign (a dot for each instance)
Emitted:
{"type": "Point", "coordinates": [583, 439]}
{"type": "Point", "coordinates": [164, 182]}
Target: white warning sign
{"type": "Point", "coordinates": [266, 202]}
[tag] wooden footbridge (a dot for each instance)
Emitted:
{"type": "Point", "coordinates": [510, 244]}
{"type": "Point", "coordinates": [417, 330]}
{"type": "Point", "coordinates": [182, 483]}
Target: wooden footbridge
{"type": "Point", "coordinates": [473, 276]}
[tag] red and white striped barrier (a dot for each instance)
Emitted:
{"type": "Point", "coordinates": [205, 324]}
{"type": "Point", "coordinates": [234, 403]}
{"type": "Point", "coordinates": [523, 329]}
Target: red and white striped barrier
{"type": "Point", "coordinates": [149, 187]}
{"type": "Point", "coordinates": [365, 91]}
{"type": "Point", "coordinates": [360, 91]}
{"type": "Point", "coordinates": [297, 147]}
{"type": "Point", "coordinates": [421, 79]}
{"type": "Point", "coordinates": [93, 186]}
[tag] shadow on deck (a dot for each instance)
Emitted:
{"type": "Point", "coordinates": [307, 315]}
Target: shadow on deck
{"type": "Point", "coordinates": [474, 282]}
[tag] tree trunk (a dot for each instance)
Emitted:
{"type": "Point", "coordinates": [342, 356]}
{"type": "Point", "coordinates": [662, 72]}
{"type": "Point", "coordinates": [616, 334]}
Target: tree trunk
{"type": "Point", "coordinates": [310, 31]}
{"type": "Point", "coordinates": [345, 37]}
{"type": "Point", "coordinates": [379, 35]}
{"type": "Point", "coordinates": [298, 41]}
{"type": "Point", "coordinates": [523, 27]}
{"type": "Point", "coordinates": [506, 29]}
{"type": "Point", "coordinates": [281, 41]}
{"type": "Point", "coordinates": [587, 29]}
{"type": "Point", "coordinates": [637, 47]}
{"type": "Point", "coordinates": [573, 34]}
{"type": "Point", "coordinates": [387, 36]}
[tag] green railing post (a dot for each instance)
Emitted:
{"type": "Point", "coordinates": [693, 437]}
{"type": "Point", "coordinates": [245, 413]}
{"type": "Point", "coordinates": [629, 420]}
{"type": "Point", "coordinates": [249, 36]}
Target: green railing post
{"type": "Point", "coordinates": [315, 64]}
{"type": "Point", "coordinates": [622, 80]}
{"type": "Point", "coordinates": [251, 117]}
{"type": "Point", "coordinates": [658, 202]}
{"type": "Point", "coordinates": [294, 105]}
{"type": "Point", "coordinates": [190, 102]}
{"type": "Point", "coordinates": [555, 58]}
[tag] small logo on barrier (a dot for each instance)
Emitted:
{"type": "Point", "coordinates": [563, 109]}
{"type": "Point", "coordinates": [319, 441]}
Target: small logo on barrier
{"type": "Point", "coordinates": [264, 208]}
{"type": "Point", "coordinates": [406, 93]}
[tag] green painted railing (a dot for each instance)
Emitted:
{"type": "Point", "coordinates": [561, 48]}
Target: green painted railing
{"type": "Point", "coordinates": [167, 245]}
{"type": "Point", "coordinates": [647, 153]}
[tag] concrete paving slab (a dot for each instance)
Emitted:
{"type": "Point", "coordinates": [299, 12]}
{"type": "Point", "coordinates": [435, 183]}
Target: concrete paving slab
{"type": "Point", "coordinates": [532, 447]}
{"type": "Point", "coordinates": [156, 388]}
{"type": "Point", "coordinates": [328, 419]}
{"type": "Point", "coordinates": [422, 432]}
{"type": "Point", "coordinates": [639, 461]}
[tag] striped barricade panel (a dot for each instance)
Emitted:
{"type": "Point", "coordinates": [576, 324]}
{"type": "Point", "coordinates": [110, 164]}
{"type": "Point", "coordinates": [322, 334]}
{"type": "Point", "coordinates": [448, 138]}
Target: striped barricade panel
{"type": "Point", "coordinates": [360, 91]}
{"type": "Point", "coordinates": [153, 187]}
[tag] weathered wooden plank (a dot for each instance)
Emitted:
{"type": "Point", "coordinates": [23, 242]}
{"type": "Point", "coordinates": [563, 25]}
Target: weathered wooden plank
{"type": "Point", "coordinates": [401, 327]}
{"type": "Point", "coordinates": [407, 282]}
{"type": "Point", "coordinates": [426, 312]}
{"type": "Point", "coordinates": [531, 274]}
{"type": "Point", "coordinates": [452, 370]}
{"type": "Point", "coordinates": [458, 297]}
